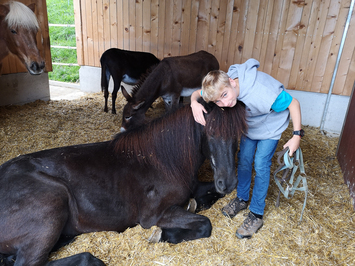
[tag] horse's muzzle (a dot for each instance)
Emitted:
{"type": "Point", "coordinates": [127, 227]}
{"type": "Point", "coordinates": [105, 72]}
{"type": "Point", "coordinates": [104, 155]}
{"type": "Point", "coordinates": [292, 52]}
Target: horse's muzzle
{"type": "Point", "coordinates": [225, 185]}
{"type": "Point", "coordinates": [36, 68]}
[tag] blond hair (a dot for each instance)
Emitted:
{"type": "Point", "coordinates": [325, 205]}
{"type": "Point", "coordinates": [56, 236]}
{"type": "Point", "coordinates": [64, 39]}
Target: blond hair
{"type": "Point", "coordinates": [213, 83]}
{"type": "Point", "coordinates": [21, 15]}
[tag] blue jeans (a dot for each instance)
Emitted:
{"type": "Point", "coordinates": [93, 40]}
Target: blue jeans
{"type": "Point", "coordinates": [264, 151]}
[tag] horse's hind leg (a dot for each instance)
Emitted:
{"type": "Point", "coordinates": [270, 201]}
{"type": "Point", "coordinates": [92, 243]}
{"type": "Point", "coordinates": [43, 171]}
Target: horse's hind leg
{"type": "Point", "coordinates": [35, 251]}
{"type": "Point", "coordinates": [63, 241]}
{"type": "Point", "coordinates": [179, 225]}
{"type": "Point", "coordinates": [105, 78]}
{"type": "Point", "coordinates": [116, 87]}
{"type": "Point", "coordinates": [81, 259]}
{"type": "Point", "coordinates": [37, 227]}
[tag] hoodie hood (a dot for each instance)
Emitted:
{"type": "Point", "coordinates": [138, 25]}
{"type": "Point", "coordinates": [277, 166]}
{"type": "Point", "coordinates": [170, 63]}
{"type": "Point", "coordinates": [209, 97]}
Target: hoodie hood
{"type": "Point", "coordinates": [258, 91]}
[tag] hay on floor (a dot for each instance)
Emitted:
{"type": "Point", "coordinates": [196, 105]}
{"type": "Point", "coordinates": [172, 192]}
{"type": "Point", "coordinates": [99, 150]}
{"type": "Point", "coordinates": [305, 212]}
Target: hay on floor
{"type": "Point", "coordinates": [324, 237]}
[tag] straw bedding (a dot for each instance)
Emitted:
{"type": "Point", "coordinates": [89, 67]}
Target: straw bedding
{"type": "Point", "coordinates": [324, 237]}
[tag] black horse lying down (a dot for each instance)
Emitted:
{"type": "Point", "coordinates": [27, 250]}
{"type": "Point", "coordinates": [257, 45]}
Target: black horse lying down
{"type": "Point", "coordinates": [144, 176]}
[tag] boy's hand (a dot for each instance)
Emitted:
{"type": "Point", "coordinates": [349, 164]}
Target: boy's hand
{"type": "Point", "coordinates": [197, 112]}
{"type": "Point", "coordinates": [293, 144]}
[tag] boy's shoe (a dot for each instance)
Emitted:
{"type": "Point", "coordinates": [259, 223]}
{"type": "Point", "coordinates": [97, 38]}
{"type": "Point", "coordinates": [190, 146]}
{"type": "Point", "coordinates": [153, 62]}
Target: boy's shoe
{"type": "Point", "coordinates": [250, 226]}
{"type": "Point", "coordinates": [233, 207]}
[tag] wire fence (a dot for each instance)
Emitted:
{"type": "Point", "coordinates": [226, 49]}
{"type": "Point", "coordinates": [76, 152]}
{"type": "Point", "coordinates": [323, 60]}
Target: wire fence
{"type": "Point", "coordinates": [63, 47]}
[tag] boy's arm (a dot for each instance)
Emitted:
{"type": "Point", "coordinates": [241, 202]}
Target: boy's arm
{"type": "Point", "coordinates": [295, 112]}
{"type": "Point", "coordinates": [197, 108]}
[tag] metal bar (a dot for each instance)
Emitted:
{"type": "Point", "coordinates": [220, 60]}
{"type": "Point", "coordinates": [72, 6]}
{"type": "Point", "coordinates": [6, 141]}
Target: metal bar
{"type": "Point", "coordinates": [63, 47]}
{"type": "Point", "coordinates": [337, 64]}
{"type": "Point", "coordinates": [62, 25]}
{"type": "Point", "coordinates": [65, 64]}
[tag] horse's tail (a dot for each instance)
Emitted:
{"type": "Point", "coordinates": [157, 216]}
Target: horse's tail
{"type": "Point", "coordinates": [105, 77]}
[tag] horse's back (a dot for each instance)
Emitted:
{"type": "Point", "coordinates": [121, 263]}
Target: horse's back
{"type": "Point", "coordinates": [189, 70]}
{"type": "Point", "coordinates": [201, 57]}
{"type": "Point", "coordinates": [127, 62]}
{"type": "Point", "coordinates": [59, 171]}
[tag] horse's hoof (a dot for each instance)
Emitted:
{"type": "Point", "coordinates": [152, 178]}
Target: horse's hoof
{"type": "Point", "coordinates": [191, 207]}
{"type": "Point", "coordinates": [156, 236]}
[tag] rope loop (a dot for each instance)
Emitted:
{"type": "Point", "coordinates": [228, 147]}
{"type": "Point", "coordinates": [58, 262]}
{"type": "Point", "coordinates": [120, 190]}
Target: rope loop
{"type": "Point", "coordinates": [288, 184]}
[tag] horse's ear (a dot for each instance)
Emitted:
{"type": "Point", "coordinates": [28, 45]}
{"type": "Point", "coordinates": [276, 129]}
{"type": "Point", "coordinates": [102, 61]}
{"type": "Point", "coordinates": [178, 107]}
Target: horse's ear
{"type": "Point", "coordinates": [32, 7]}
{"type": "Point", "coordinates": [126, 94]}
{"type": "Point", "coordinates": [138, 105]}
{"type": "Point", "coordinates": [3, 11]}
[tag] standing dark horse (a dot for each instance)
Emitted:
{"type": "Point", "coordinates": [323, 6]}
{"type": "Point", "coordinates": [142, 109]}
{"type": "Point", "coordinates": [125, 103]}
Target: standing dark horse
{"type": "Point", "coordinates": [173, 77]}
{"type": "Point", "coordinates": [122, 65]}
{"type": "Point", "coordinates": [143, 176]}
{"type": "Point", "coordinates": [18, 30]}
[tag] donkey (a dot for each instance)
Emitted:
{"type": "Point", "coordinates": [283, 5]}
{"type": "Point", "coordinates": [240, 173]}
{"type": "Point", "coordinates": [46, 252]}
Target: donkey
{"type": "Point", "coordinates": [173, 77]}
{"type": "Point", "coordinates": [122, 65]}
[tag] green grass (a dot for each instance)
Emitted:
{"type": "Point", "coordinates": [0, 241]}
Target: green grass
{"type": "Point", "coordinates": [62, 12]}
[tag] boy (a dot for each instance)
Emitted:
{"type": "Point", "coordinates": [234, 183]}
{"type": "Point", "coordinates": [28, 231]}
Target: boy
{"type": "Point", "coordinates": [268, 108]}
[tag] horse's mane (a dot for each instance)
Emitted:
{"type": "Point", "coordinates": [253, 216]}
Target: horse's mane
{"type": "Point", "coordinates": [171, 142]}
{"type": "Point", "coordinates": [168, 143]}
{"type": "Point", "coordinates": [21, 16]}
{"type": "Point", "coordinates": [142, 78]}
{"type": "Point", "coordinates": [225, 122]}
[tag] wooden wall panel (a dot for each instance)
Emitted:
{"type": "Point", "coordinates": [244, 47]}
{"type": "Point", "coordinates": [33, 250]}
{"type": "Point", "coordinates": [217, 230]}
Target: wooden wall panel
{"type": "Point", "coordinates": [11, 64]}
{"type": "Point", "coordinates": [345, 62]}
{"type": "Point", "coordinates": [297, 42]}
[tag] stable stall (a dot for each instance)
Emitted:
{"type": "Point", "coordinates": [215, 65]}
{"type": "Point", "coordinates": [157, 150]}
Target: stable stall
{"type": "Point", "coordinates": [304, 44]}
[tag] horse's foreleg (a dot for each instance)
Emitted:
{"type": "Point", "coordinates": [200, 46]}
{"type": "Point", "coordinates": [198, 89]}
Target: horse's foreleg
{"type": "Point", "coordinates": [206, 195]}
{"type": "Point", "coordinates": [179, 225]}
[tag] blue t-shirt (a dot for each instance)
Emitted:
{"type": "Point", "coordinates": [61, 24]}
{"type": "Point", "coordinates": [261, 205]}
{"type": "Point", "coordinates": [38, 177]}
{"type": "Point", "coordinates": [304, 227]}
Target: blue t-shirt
{"type": "Point", "coordinates": [282, 102]}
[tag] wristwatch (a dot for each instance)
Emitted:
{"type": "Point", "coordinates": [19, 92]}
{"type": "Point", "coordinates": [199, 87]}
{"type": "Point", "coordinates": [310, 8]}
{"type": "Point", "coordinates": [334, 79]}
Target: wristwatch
{"type": "Point", "coordinates": [299, 133]}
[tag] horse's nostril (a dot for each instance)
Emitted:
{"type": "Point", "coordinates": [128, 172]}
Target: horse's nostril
{"type": "Point", "coordinates": [221, 185]}
{"type": "Point", "coordinates": [35, 66]}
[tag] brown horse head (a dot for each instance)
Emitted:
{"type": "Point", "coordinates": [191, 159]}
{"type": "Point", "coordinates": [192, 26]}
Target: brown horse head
{"type": "Point", "coordinates": [18, 35]}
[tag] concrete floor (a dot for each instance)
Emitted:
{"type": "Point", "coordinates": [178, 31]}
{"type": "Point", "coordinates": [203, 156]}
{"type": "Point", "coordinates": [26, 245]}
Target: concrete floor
{"type": "Point", "coordinates": [64, 91]}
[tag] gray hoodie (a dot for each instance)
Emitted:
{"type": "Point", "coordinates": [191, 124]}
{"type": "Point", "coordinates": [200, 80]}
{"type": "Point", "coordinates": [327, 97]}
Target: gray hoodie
{"type": "Point", "coordinates": [258, 91]}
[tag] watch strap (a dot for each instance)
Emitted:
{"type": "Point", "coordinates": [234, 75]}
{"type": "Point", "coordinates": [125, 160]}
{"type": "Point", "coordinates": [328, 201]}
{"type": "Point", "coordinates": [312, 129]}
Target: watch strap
{"type": "Point", "coordinates": [299, 133]}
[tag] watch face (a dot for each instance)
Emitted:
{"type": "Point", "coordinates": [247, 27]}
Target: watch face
{"type": "Point", "coordinates": [299, 133]}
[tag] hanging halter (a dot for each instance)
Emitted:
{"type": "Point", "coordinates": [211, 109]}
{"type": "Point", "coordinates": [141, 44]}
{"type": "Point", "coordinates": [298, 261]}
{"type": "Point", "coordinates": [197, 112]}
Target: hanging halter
{"type": "Point", "coordinates": [287, 183]}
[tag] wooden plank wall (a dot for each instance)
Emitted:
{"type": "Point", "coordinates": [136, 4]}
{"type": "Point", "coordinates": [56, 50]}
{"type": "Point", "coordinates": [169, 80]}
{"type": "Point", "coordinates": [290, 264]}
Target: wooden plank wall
{"type": "Point", "coordinates": [11, 64]}
{"type": "Point", "coordinates": [297, 42]}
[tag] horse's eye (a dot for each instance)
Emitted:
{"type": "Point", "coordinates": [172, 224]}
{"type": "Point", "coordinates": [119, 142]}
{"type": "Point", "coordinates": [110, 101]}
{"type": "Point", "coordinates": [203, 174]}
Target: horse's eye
{"type": "Point", "coordinates": [128, 118]}
{"type": "Point", "coordinates": [13, 31]}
